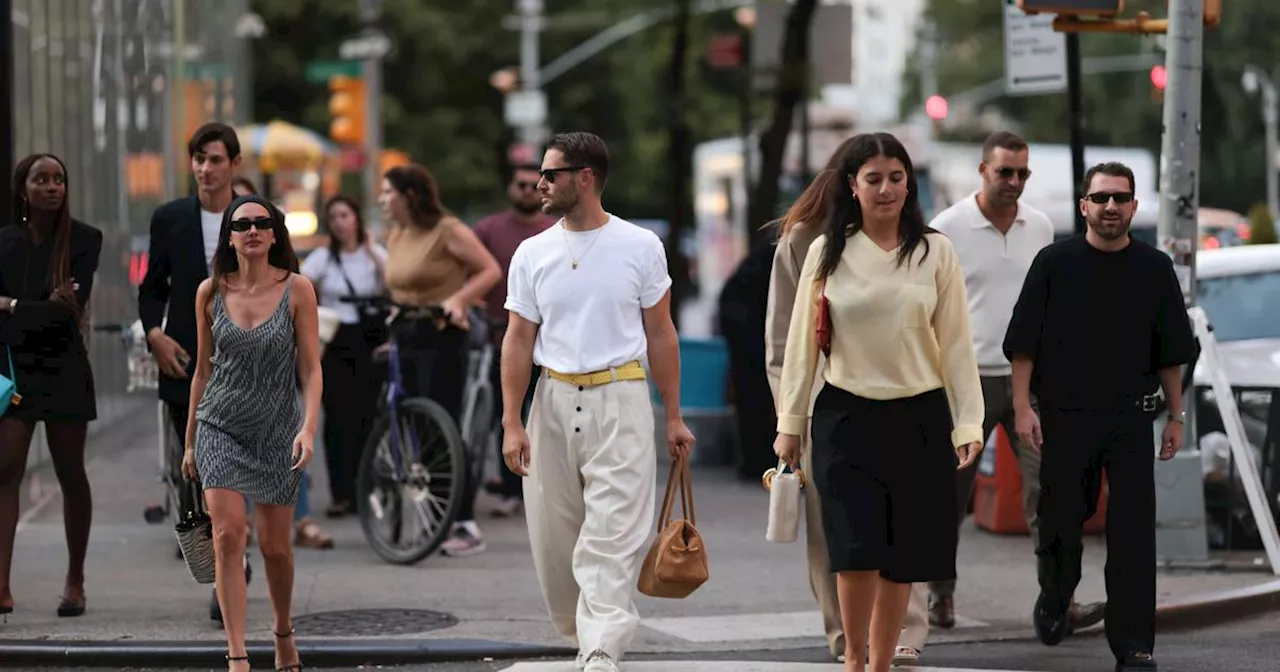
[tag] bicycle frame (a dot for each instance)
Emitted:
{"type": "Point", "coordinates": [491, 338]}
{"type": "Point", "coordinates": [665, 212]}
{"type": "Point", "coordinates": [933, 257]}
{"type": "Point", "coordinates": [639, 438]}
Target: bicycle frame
{"type": "Point", "coordinates": [395, 393]}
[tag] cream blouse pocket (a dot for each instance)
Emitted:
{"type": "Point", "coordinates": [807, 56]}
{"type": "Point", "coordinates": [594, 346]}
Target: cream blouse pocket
{"type": "Point", "coordinates": [918, 302]}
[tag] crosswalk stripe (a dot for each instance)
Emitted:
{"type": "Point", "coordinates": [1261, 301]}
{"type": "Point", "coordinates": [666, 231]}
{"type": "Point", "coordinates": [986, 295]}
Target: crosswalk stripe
{"type": "Point", "coordinates": [725, 666]}
{"type": "Point", "coordinates": [754, 627]}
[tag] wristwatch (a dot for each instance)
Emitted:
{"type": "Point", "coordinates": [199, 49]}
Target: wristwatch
{"type": "Point", "coordinates": [1180, 418]}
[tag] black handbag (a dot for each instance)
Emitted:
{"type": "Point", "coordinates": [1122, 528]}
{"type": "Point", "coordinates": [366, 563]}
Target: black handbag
{"type": "Point", "coordinates": [372, 322]}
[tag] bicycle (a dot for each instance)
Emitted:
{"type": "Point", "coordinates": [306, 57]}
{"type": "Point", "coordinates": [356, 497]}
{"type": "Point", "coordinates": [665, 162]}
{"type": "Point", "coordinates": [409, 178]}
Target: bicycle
{"type": "Point", "coordinates": [404, 479]}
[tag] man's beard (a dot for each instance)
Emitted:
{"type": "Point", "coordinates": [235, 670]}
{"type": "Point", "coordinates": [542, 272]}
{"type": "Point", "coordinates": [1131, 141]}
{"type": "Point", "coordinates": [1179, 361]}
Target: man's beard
{"type": "Point", "coordinates": [526, 208]}
{"type": "Point", "coordinates": [559, 208]}
{"type": "Point", "coordinates": [1110, 230]}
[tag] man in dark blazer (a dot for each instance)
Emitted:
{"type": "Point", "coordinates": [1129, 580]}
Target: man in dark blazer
{"type": "Point", "coordinates": [184, 235]}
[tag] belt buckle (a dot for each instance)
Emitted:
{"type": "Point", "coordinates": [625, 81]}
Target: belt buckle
{"type": "Point", "coordinates": [1149, 403]}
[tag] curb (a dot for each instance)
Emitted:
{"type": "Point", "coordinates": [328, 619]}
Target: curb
{"type": "Point", "coordinates": [314, 654]}
{"type": "Point", "coordinates": [1218, 607]}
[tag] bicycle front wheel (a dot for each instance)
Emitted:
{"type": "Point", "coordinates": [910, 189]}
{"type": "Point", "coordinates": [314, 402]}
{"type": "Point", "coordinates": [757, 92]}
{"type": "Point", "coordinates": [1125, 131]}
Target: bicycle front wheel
{"type": "Point", "coordinates": [409, 486]}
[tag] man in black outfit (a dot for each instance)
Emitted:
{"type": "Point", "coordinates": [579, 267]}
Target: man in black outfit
{"type": "Point", "coordinates": [184, 235]}
{"type": "Point", "coordinates": [1100, 324]}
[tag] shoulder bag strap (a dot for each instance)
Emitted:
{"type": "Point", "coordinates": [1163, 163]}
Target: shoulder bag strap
{"type": "Point", "coordinates": [13, 373]}
{"type": "Point", "coordinates": [686, 492]}
{"type": "Point", "coordinates": [673, 480]}
{"type": "Point", "coordinates": [337, 259]}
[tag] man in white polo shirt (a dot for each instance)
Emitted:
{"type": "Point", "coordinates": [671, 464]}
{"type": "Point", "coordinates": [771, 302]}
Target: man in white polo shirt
{"type": "Point", "coordinates": [589, 299]}
{"type": "Point", "coordinates": [996, 238]}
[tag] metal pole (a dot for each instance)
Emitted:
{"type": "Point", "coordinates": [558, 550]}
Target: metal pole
{"type": "Point", "coordinates": [530, 26]}
{"type": "Point", "coordinates": [1269, 117]}
{"type": "Point", "coordinates": [1180, 531]}
{"type": "Point", "coordinates": [370, 11]}
{"type": "Point", "coordinates": [6, 108]}
{"type": "Point", "coordinates": [1075, 110]}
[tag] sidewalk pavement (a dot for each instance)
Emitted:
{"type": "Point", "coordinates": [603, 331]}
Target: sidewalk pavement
{"type": "Point", "coordinates": [351, 607]}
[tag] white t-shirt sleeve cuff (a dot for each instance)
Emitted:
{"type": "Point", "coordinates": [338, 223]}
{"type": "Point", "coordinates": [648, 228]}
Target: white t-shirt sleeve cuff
{"type": "Point", "coordinates": [523, 309]}
{"type": "Point", "coordinates": [654, 294]}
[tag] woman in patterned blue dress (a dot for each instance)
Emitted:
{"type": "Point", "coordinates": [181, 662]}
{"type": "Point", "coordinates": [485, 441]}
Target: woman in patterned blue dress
{"type": "Point", "coordinates": [256, 391]}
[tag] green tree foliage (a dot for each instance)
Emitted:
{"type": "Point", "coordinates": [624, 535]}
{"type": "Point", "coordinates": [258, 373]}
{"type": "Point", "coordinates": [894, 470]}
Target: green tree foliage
{"type": "Point", "coordinates": [438, 104]}
{"type": "Point", "coordinates": [1120, 109]}
{"type": "Point", "coordinates": [1262, 226]}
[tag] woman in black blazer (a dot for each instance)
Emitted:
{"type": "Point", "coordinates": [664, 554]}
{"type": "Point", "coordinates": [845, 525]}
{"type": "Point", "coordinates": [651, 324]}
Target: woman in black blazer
{"type": "Point", "coordinates": [47, 264]}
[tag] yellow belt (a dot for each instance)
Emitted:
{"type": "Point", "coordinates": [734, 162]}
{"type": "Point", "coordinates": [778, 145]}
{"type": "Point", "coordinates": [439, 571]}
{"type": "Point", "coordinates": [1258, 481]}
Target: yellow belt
{"type": "Point", "coordinates": [629, 371]}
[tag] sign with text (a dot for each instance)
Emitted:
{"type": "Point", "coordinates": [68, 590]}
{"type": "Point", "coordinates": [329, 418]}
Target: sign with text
{"type": "Point", "coordinates": [1035, 57]}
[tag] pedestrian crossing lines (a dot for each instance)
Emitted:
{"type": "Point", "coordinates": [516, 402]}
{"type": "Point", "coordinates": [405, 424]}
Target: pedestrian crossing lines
{"type": "Point", "coordinates": [755, 627]}
{"type": "Point", "coordinates": [725, 666]}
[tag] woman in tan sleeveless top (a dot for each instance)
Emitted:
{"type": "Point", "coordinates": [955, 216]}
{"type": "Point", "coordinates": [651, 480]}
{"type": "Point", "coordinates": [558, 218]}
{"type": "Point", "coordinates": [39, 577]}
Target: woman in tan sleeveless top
{"type": "Point", "coordinates": [434, 259]}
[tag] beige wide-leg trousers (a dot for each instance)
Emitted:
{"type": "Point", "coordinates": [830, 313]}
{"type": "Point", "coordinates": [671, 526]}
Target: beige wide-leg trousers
{"type": "Point", "coordinates": [589, 503]}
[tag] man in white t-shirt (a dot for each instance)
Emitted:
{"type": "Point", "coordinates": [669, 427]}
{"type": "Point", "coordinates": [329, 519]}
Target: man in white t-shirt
{"type": "Point", "coordinates": [589, 300]}
{"type": "Point", "coordinates": [996, 238]}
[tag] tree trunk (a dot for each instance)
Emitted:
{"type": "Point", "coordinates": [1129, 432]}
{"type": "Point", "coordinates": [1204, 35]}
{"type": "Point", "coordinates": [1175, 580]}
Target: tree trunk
{"type": "Point", "coordinates": [790, 90]}
{"type": "Point", "coordinates": [679, 152]}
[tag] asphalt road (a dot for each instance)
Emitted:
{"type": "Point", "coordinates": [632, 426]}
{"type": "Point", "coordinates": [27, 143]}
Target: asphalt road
{"type": "Point", "coordinates": [1248, 646]}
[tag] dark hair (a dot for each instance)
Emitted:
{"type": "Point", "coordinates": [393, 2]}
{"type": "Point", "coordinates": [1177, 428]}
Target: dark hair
{"type": "Point", "coordinates": [335, 247]}
{"type": "Point", "coordinates": [281, 254]}
{"type": "Point", "coordinates": [844, 216]}
{"type": "Point", "coordinates": [60, 265]}
{"type": "Point", "coordinates": [1112, 168]}
{"type": "Point", "coordinates": [214, 131]}
{"type": "Point", "coordinates": [421, 193]}
{"type": "Point", "coordinates": [811, 205]}
{"type": "Point", "coordinates": [584, 149]}
{"type": "Point", "coordinates": [1002, 140]}
{"type": "Point", "coordinates": [521, 168]}
{"type": "Point", "coordinates": [242, 181]}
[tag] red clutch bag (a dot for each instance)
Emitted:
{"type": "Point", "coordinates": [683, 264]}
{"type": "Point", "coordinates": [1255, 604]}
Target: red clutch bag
{"type": "Point", "coordinates": [824, 322]}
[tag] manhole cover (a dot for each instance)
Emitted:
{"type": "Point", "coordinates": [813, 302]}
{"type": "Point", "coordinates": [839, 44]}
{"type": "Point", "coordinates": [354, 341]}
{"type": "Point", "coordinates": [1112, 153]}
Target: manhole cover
{"type": "Point", "coordinates": [372, 622]}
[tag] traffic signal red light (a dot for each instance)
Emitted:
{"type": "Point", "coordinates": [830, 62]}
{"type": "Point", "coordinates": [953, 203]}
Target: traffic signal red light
{"type": "Point", "coordinates": [1159, 77]}
{"type": "Point", "coordinates": [936, 107]}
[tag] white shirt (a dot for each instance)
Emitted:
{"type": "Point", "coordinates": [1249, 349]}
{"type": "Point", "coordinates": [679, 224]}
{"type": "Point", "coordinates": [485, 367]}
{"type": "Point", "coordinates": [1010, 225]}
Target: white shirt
{"type": "Point", "coordinates": [210, 227]}
{"type": "Point", "coordinates": [330, 284]}
{"type": "Point", "coordinates": [995, 266]}
{"type": "Point", "coordinates": [590, 319]}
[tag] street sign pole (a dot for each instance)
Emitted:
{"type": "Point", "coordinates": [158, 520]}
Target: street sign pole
{"type": "Point", "coordinates": [1182, 538]}
{"type": "Point", "coordinates": [369, 14]}
{"type": "Point", "coordinates": [530, 128]}
{"type": "Point", "coordinates": [1075, 114]}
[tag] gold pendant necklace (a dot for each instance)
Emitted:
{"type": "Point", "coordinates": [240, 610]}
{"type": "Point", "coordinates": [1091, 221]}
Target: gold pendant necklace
{"type": "Point", "coordinates": [577, 259]}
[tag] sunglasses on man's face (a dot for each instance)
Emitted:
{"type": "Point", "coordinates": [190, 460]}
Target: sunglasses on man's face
{"type": "Point", "coordinates": [549, 174]}
{"type": "Point", "coordinates": [1101, 197]}
{"type": "Point", "coordinates": [1009, 173]}
{"type": "Point", "coordinates": [259, 223]}
{"type": "Point", "coordinates": [526, 186]}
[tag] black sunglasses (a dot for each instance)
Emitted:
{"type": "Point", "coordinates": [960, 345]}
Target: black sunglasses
{"type": "Point", "coordinates": [524, 186]}
{"type": "Point", "coordinates": [259, 223]}
{"type": "Point", "coordinates": [1101, 197]}
{"type": "Point", "coordinates": [549, 174]}
{"type": "Point", "coordinates": [1008, 173]}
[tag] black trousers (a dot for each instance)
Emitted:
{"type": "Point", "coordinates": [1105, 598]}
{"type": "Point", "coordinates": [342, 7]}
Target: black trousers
{"type": "Point", "coordinates": [350, 402]}
{"type": "Point", "coordinates": [178, 415]}
{"type": "Point", "coordinates": [1078, 446]}
{"type": "Point", "coordinates": [433, 364]}
{"type": "Point", "coordinates": [511, 482]}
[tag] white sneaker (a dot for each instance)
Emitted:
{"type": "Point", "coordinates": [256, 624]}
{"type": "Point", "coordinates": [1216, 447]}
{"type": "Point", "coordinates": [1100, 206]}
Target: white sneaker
{"type": "Point", "coordinates": [580, 663]}
{"type": "Point", "coordinates": [599, 661]}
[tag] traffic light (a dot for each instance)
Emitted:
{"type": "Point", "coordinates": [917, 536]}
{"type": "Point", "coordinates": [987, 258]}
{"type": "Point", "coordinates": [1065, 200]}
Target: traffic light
{"type": "Point", "coordinates": [1159, 77]}
{"type": "Point", "coordinates": [1100, 8]}
{"type": "Point", "coordinates": [346, 104]}
{"type": "Point", "coordinates": [936, 107]}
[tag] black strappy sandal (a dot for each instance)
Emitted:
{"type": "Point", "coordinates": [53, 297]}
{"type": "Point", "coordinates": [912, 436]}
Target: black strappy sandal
{"type": "Point", "coordinates": [296, 666]}
{"type": "Point", "coordinates": [236, 659]}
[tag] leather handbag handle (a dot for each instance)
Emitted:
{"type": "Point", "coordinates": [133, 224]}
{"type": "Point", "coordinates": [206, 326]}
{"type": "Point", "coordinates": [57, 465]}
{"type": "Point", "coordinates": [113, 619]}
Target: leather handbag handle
{"type": "Point", "coordinates": [681, 479]}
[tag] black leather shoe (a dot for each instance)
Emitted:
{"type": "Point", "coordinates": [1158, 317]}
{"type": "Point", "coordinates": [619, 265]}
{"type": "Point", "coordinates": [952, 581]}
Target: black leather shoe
{"type": "Point", "coordinates": [1136, 660]}
{"type": "Point", "coordinates": [1082, 616]}
{"type": "Point", "coordinates": [1051, 628]}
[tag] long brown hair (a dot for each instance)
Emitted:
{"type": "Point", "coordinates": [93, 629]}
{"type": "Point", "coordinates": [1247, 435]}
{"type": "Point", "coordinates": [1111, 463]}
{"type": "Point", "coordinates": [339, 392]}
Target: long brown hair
{"type": "Point", "coordinates": [421, 194]}
{"type": "Point", "coordinates": [279, 255]}
{"type": "Point", "coordinates": [60, 265]}
{"type": "Point", "coordinates": [811, 206]}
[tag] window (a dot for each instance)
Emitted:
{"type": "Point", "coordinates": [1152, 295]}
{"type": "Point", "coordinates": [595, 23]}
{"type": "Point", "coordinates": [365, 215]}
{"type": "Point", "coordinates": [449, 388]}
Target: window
{"type": "Point", "coordinates": [1242, 307]}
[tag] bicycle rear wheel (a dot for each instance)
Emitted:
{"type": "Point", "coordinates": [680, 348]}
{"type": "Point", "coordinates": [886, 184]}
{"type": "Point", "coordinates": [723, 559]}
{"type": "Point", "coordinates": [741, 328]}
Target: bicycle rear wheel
{"type": "Point", "coordinates": [410, 484]}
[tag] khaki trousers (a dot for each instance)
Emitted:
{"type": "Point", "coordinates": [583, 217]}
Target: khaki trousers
{"type": "Point", "coordinates": [589, 503]}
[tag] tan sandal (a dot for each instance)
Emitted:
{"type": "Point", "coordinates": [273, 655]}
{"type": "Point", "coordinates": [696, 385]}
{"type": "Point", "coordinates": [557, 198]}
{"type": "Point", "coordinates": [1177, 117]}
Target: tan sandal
{"type": "Point", "coordinates": [310, 535]}
{"type": "Point", "coordinates": [905, 655]}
